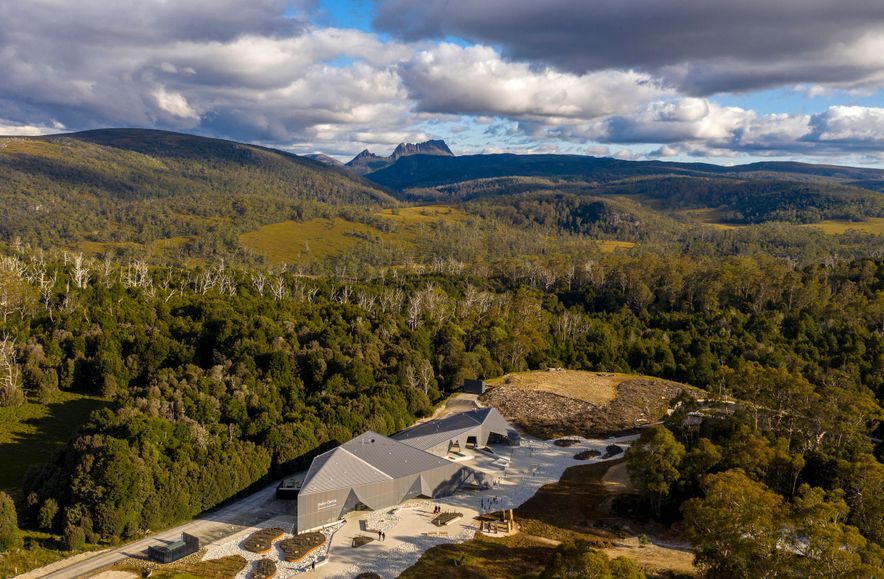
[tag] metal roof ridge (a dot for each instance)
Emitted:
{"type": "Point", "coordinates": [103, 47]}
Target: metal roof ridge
{"type": "Point", "coordinates": [373, 467]}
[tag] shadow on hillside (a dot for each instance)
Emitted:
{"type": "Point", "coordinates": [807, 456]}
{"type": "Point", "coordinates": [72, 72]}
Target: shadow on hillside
{"type": "Point", "coordinates": [50, 433]}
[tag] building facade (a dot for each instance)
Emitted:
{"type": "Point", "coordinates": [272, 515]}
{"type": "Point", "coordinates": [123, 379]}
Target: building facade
{"type": "Point", "coordinates": [373, 471]}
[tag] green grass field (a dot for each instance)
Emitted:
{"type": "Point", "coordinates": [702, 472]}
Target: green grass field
{"type": "Point", "coordinates": [308, 241]}
{"type": "Point", "coordinates": [315, 239]}
{"type": "Point", "coordinates": [34, 554]}
{"type": "Point", "coordinates": [424, 214]}
{"type": "Point", "coordinates": [31, 432]}
{"type": "Point", "coordinates": [612, 245]}
{"type": "Point", "coordinates": [873, 225]}
{"type": "Point", "coordinates": [711, 218]}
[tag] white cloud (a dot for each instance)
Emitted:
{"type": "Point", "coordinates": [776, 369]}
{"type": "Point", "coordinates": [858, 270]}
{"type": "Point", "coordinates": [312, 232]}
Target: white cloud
{"type": "Point", "coordinates": [248, 70]}
{"type": "Point", "coordinates": [174, 103]}
{"type": "Point", "coordinates": [10, 129]}
{"type": "Point", "coordinates": [850, 124]}
{"type": "Point", "coordinates": [476, 80]}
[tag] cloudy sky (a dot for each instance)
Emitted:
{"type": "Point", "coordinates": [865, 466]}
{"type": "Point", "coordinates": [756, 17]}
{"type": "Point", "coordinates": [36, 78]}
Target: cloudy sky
{"type": "Point", "coordinates": [728, 81]}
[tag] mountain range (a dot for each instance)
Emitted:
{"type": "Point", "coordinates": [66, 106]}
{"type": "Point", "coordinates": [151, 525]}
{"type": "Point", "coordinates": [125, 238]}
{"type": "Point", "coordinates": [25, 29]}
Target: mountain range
{"type": "Point", "coordinates": [368, 162]}
{"type": "Point", "coordinates": [137, 186]}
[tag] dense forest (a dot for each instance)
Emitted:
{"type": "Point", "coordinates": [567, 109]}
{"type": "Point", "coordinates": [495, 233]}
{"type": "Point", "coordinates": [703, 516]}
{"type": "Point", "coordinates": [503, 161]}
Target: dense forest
{"type": "Point", "coordinates": [235, 374]}
{"type": "Point", "coordinates": [212, 372]}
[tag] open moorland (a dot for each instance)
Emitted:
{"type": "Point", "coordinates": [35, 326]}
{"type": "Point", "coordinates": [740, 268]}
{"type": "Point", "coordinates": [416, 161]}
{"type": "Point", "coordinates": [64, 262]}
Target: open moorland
{"type": "Point", "coordinates": [316, 239]}
{"type": "Point", "coordinates": [555, 403]}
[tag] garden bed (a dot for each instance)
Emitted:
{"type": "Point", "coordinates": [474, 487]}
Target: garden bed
{"type": "Point", "coordinates": [265, 569]}
{"type": "Point", "coordinates": [261, 541]}
{"type": "Point", "coordinates": [566, 442]}
{"type": "Point", "coordinates": [300, 546]}
{"type": "Point", "coordinates": [222, 568]}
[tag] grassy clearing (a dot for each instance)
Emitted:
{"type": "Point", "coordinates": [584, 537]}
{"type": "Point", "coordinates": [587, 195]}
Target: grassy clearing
{"type": "Point", "coordinates": [98, 248]}
{"type": "Point", "coordinates": [161, 248]}
{"type": "Point", "coordinates": [31, 148]}
{"type": "Point", "coordinates": [558, 512]}
{"type": "Point", "coordinates": [709, 217]}
{"type": "Point", "coordinates": [315, 239]}
{"type": "Point", "coordinates": [312, 240]}
{"type": "Point", "coordinates": [425, 214]}
{"type": "Point", "coordinates": [568, 509]}
{"type": "Point", "coordinates": [41, 548]}
{"type": "Point", "coordinates": [873, 225]}
{"type": "Point", "coordinates": [31, 432]}
{"type": "Point", "coordinates": [166, 247]}
{"type": "Point", "coordinates": [712, 218]}
{"type": "Point", "coordinates": [610, 245]}
{"type": "Point", "coordinates": [593, 387]}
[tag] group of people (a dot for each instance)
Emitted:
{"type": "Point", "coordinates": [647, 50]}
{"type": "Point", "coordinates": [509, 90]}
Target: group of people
{"type": "Point", "coordinates": [382, 536]}
{"type": "Point", "coordinates": [437, 509]}
{"type": "Point", "coordinates": [489, 502]}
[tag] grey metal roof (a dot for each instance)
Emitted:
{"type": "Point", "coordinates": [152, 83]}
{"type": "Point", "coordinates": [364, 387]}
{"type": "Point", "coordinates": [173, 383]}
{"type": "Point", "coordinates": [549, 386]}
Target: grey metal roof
{"type": "Point", "coordinates": [368, 458]}
{"type": "Point", "coordinates": [435, 432]}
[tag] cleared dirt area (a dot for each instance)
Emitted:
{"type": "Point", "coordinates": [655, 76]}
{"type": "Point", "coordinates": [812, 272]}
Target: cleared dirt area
{"type": "Point", "coordinates": [551, 404]}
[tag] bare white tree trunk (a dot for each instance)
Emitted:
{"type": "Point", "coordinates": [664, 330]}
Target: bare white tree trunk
{"type": "Point", "coordinates": [80, 272]}
{"type": "Point", "coordinates": [259, 280]}
{"type": "Point", "coordinates": [10, 373]}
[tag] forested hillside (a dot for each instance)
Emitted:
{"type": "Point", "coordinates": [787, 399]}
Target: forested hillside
{"type": "Point", "coordinates": [219, 376]}
{"type": "Point", "coordinates": [138, 186]}
{"type": "Point", "coordinates": [756, 193]}
{"type": "Point", "coordinates": [159, 196]}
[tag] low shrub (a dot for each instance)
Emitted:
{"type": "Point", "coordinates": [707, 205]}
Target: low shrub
{"type": "Point", "coordinates": [300, 546]}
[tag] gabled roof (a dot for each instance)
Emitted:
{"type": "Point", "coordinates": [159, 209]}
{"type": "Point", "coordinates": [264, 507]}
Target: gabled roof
{"type": "Point", "coordinates": [368, 458]}
{"type": "Point", "coordinates": [435, 432]}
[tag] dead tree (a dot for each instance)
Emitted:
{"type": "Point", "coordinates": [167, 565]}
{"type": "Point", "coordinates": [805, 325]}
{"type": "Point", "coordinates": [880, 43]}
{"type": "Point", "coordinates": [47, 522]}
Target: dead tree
{"type": "Point", "coordinates": [80, 272]}
{"type": "Point", "coordinates": [10, 373]}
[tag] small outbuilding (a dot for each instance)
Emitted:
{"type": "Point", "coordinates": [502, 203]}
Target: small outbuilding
{"type": "Point", "coordinates": [473, 387]}
{"type": "Point", "coordinates": [187, 545]}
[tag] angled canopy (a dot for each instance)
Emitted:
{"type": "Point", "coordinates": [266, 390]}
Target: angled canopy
{"type": "Point", "coordinates": [435, 435]}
